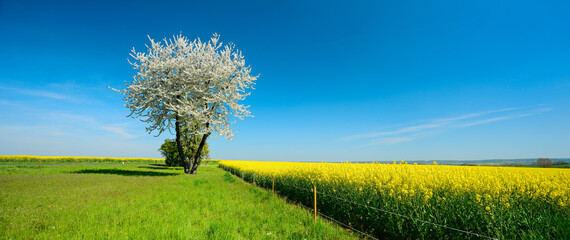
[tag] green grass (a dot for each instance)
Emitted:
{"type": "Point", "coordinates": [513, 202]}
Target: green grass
{"type": "Point", "coordinates": [146, 202]}
{"type": "Point", "coordinates": [567, 165]}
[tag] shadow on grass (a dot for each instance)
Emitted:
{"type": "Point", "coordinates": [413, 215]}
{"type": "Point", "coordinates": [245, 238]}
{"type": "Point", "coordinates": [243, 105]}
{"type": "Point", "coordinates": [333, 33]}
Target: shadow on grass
{"type": "Point", "coordinates": [125, 172]}
{"type": "Point", "coordinates": [161, 167]}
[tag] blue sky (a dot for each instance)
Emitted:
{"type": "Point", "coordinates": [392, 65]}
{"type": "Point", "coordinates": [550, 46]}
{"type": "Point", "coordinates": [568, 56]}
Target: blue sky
{"type": "Point", "coordinates": [339, 80]}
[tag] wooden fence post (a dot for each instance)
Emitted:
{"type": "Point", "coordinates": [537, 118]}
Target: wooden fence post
{"type": "Point", "coordinates": [315, 197]}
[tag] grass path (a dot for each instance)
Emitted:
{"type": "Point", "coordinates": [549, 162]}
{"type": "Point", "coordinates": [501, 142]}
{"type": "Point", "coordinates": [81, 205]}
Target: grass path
{"type": "Point", "coordinates": [146, 202]}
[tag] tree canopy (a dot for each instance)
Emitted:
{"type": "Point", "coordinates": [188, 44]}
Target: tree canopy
{"type": "Point", "coordinates": [179, 80]}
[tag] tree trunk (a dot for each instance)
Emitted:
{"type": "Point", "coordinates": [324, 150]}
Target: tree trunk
{"type": "Point", "coordinates": [197, 158]}
{"type": "Point", "coordinates": [181, 156]}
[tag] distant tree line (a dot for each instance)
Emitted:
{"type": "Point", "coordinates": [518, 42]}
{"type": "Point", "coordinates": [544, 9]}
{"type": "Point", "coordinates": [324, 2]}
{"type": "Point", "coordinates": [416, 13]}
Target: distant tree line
{"type": "Point", "coordinates": [547, 163]}
{"type": "Point", "coordinates": [544, 162]}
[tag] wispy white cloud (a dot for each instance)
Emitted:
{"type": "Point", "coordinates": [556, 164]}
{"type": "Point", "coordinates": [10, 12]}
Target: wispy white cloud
{"type": "Point", "coordinates": [59, 133]}
{"type": "Point", "coordinates": [47, 94]}
{"type": "Point", "coordinates": [45, 140]}
{"type": "Point", "coordinates": [71, 121]}
{"type": "Point", "coordinates": [118, 130]}
{"type": "Point", "coordinates": [474, 115]}
{"type": "Point", "coordinates": [91, 122]}
{"type": "Point", "coordinates": [391, 140]}
{"type": "Point", "coordinates": [394, 132]}
{"type": "Point", "coordinates": [37, 93]}
{"type": "Point", "coordinates": [410, 133]}
{"type": "Point", "coordinates": [484, 121]}
{"type": "Point", "coordinates": [9, 103]}
{"type": "Point", "coordinates": [495, 119]}
{"type": "Point", "coordinates": [70, 117]}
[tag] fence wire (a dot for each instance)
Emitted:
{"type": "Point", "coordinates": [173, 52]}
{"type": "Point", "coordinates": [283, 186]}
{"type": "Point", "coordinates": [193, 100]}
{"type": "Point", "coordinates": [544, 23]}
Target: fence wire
{"type": "Point", "coordinates": [408, 217]}
{"type": "Point", "coordinates": [328, 217]}
{"type": "Point", "coordinates": [374, 208]}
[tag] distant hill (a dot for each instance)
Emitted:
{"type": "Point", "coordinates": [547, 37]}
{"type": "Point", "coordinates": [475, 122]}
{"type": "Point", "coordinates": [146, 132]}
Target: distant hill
{"type": "Point", "coordinates": [525, 161]}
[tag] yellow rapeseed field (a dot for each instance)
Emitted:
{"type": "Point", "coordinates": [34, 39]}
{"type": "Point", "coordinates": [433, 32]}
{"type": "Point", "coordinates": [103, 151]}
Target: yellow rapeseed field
{"type": "Point", "coordinates": [15, 159]}
{"type": "Point", "coordinates": [501, 202]}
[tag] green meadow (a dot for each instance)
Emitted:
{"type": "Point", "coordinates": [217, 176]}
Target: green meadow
{"type": "Point", "coordinates": [146, 202]}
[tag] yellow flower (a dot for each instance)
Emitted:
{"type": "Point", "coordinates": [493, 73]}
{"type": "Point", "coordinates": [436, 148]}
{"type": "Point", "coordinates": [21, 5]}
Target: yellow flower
{"type": "Point", "coordinates": [488, 187]}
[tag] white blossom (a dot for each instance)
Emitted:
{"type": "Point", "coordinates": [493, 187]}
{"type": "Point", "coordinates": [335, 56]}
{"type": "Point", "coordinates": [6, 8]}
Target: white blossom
{"type": "Point", "coordinates": [198, 81]}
